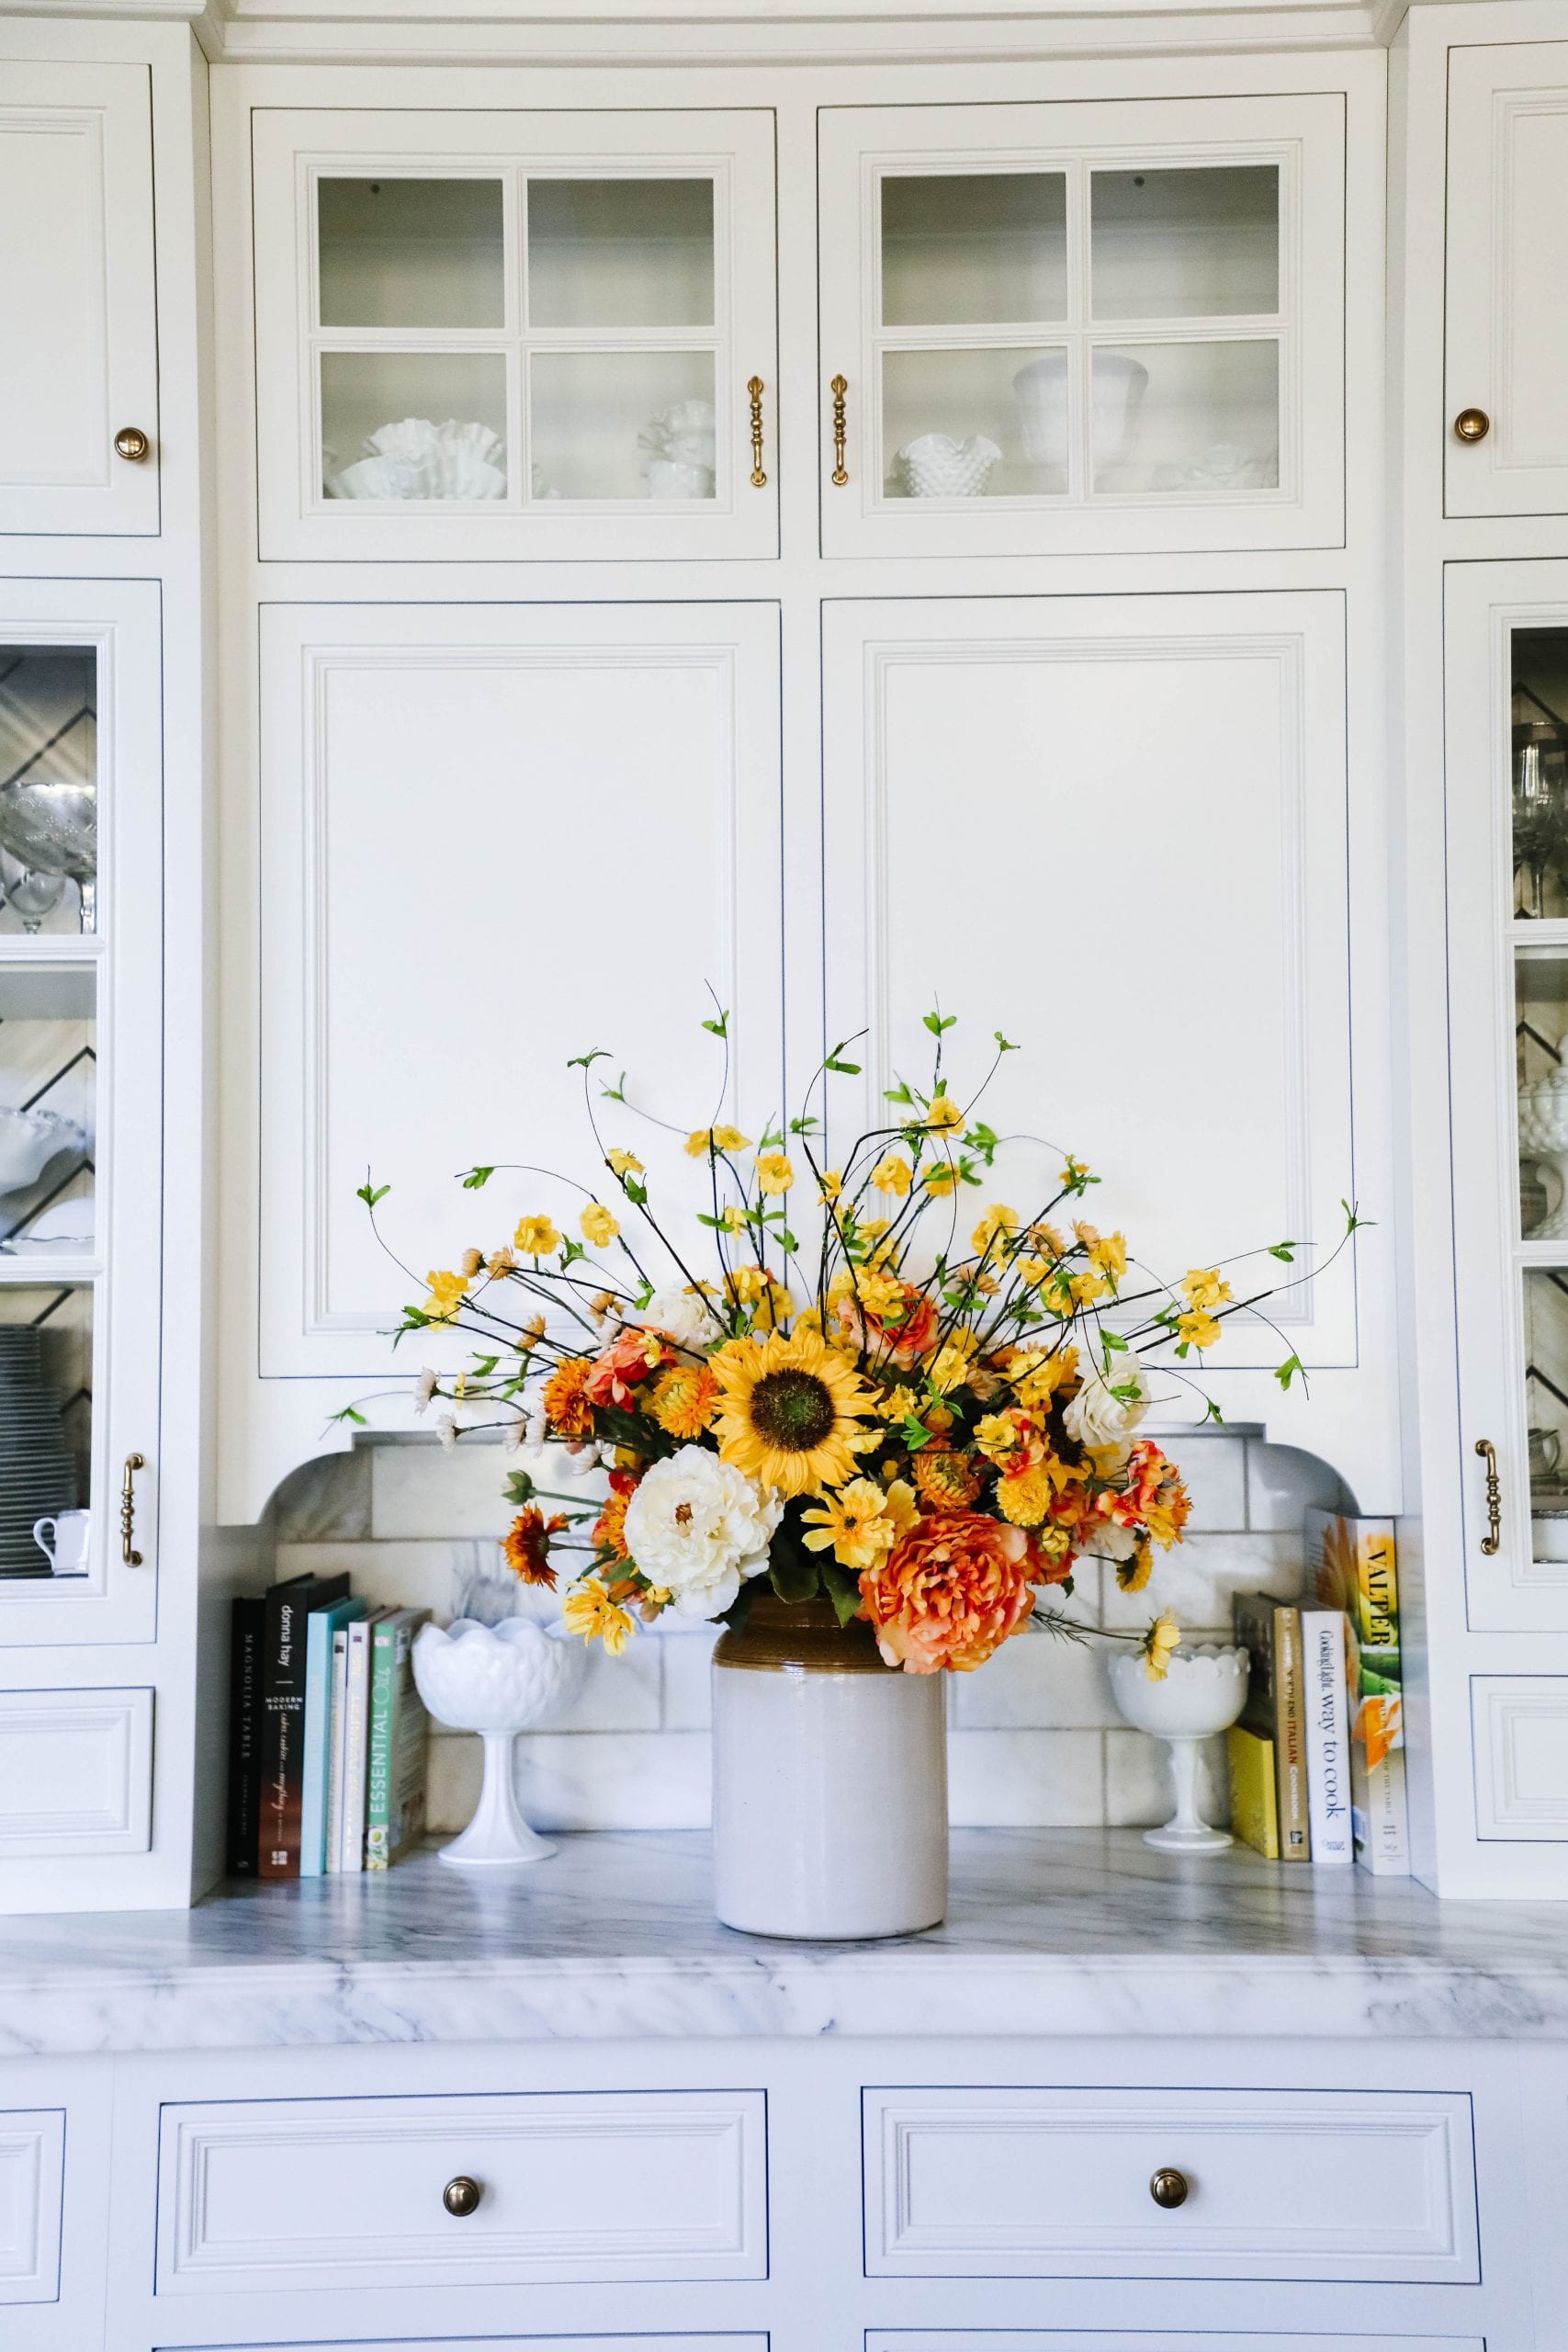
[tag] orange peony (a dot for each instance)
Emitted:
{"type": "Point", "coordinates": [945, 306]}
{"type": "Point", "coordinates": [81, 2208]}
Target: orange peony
{"type": "Point", "coordinates": [566, 1407]}
{"type": "Point", "coordinates": [623, 1365]}
{"type": "Point", "coordinates": [950, 1593]}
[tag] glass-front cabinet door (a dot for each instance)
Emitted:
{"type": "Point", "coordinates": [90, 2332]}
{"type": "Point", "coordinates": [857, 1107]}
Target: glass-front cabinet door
{"type": "Point", "coordinates": [81, 1057]}
{"type": "Point", "coordinates": [1066, 328]}
{"type": "Point", "coordinates": [501, 336]}
{"type": "Point", "coordinates": [1507, 801]}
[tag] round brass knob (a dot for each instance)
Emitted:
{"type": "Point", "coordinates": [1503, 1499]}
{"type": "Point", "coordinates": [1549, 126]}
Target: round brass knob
{"type": "Point", "coordinates": [461, 2197]}
{"type": "Point", "coordinates": [132, 443]}
{"type": "Point", "coordinates": [1168, 2187]}
{"type": "Point", "coordinates": [1472, 424]}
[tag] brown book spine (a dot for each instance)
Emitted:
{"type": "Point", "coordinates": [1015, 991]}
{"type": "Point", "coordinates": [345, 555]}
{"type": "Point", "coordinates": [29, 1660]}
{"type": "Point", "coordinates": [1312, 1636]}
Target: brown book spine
{"type": "Point", "coordinates": [1290, 1737]}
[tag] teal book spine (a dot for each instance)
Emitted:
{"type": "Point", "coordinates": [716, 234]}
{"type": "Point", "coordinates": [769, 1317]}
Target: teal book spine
{"type": "Point", "coordinates": [320, 1627]}
{"type": "Point", "coordinates": [378, 1769]}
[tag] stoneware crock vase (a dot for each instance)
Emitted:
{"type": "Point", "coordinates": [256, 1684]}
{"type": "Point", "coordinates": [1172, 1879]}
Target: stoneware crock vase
{"type": "Point", "coordinates": [829, 1781]}
{"type": "Point", "coordinates": [38, 1473]}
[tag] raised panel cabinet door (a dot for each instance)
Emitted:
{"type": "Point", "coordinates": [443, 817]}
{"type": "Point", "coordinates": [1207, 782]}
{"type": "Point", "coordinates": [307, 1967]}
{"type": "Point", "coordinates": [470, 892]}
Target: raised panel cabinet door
{"type": "Point", "coordinates": [1117, 829]}
{"type": "Point", "coordinates": [487, 335]}
{"type": "Point", "coordinates": [32, 2172]}
{"type": "Point", "coordinates": [76, 289]}
{"type": "Point", "coordinates": [1506, 310]}
{"type": "Point", "coordinates": [493, 840]}
{"type": "Point", "coordinates": [1505, 718]}
{"type": "Point", "coordinates": [1070, 328]}
{"type": "Point", "coordinates": [337, 2193]}
{"type": "Point", "coordinates": [1279, 2184]}
{"type": "Point", "coordinates": [81, 1115]}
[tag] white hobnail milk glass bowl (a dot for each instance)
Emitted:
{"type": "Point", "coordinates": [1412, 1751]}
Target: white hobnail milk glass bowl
{"type": "Point", "coordinates": [497, 1681]}
{"type": "Point", "coordinates": [936, 466]}
{"type": "Point", "coordinates": [1202, 1693]}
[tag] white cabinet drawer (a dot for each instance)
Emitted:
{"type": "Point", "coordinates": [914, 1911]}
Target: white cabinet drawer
{"type": "Point", "coordinates": [32, 2164]}
{"type": "Point", "coordinates": [1288, 2183]}
{"type": "Point", "coordinates": [342, 2192]}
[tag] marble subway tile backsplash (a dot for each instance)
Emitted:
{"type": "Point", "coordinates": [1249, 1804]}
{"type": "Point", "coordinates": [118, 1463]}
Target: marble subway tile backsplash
{"type": "Point", "coordinates": [1034, 1739]}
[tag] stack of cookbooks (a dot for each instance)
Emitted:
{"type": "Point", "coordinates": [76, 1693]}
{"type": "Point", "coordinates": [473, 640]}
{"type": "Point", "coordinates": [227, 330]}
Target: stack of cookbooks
{"type": "Point", "coordinates": [1317, 1761]}
{"type": "Point", "coordinates": [327, 1733]}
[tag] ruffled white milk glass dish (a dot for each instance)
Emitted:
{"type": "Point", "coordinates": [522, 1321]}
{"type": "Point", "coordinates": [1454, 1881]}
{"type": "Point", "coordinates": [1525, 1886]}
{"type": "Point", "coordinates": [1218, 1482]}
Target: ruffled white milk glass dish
{"type": "Point", "coordinates": [1203, 1693]}
{"type": "Point", "coordinates": [497, 1681]}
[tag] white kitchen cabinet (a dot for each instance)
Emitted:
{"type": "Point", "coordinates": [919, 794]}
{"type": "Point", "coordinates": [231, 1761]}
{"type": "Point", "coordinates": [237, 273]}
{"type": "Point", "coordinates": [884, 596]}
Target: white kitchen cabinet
{"type": "Point", "coordinates": [79, 391]}
{"type": "Point", "coordinates": [1137, 307]}
{"type": "Point", "coordinates": [1070, 2339]}
{"type": "Point", "coordinates": [1506, 703]}
{"type": "Point", "coordinates": [472, 821]}
{"type": "Point", "coordinates": [81, 1087]}
{"type": "Point", "coordinates": [586, 299]}
{"type": "Point", "coordinates": [1162, 781]}
{"type": "Point", "coordinates": [1507, 311]}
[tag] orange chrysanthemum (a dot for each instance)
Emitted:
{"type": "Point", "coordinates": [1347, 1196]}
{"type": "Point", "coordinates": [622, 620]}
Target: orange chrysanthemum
{"type": "Point", "coordinates": [528, 1546]}
{"type": "Point", "coordinates": [567, 1410]}
{"type": "Point", "coordinates": [610, 1527]}
{"type": "Point", "coordinates": [683, 1400]}
{"type": "Point", "coordinates": [944, 1480]}
{"type": "Point", "coordinates": [950, 1593]}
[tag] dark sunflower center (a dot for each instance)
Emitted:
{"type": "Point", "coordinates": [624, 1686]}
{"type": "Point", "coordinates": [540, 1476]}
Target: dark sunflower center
{"type": "Point", "coordinates": [793, 1410]}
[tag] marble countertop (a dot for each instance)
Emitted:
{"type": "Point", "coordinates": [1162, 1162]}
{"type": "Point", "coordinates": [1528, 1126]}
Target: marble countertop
{"type": "Point", "coordinates": [1049, 1932]}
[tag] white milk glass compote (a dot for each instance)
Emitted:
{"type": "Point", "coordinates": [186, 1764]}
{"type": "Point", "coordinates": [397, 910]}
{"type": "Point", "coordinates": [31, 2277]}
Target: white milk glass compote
{"type": "Point", "coordinates": [497, 1681]}
{"type": "Point", "coordinates": [1203, 1691]}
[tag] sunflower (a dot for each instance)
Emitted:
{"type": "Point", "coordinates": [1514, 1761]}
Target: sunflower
{"type": "Point", "coordinates": [791, 1412]}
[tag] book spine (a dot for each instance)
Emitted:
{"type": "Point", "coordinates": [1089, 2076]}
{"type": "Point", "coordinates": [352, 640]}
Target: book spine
{"type": "Point", "coordinates": [1290, 1737]}
{"type": "Point", "coordinates": [283, 1703]}
{"type": "Point", "coordinates": [383, 1713]}
{"type": "Point", "coordinates": [1327, 1736]}
{"type": "Point", "coordinates": [315, 1744]}
{"type": "Point", "coordinates": [354, 1729]}
{"type": "Point", "coordinates": [1382, 1827]}
{"type": "Point", "coordinates": [409, 1755]}
{"type": "Point", "coordinates": [244, 1712]}
{"type": "Point", "coordinates": [335, 1760]}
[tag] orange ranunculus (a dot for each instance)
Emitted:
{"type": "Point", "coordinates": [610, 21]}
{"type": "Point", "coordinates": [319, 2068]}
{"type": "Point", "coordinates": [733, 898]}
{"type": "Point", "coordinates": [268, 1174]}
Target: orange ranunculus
{"type": "Point", "coordinates": [565, 1405]}
{"type": "Point", "coordinates": [625, 1365]}
{"type": "Point", "coordinates": [950, 1593]}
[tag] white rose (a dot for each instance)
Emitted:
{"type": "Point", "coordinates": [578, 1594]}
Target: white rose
{"type": "Point", "coordinates": [697, 1526]}
{"type": "Point", "coordinates": [683, 1314]}
{"type": "Point", "coordinates": [1108, 1541]}
{"type": "Point", "coordinates": [1096, 1416]}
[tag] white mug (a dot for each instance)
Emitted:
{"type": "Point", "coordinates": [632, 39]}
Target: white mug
{"type": "Point", "coordinates": [71, 1531]}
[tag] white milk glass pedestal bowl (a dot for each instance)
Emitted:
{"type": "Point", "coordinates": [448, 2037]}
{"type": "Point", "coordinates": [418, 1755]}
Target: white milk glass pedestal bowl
{"type": "Point", "coordinates": [1203, 1693]}
{"type": "Point", "coordinates": [497, 1681]}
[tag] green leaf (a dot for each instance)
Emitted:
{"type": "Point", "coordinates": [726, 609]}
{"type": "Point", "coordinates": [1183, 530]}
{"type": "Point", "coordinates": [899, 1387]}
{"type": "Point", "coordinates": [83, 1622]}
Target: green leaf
{"type": "Point", "coordinates": [1004, 1044]}
{"type": "Point", "coordinates": [1353, 1224]}
{"type": "Point", "coordinates": [616, 1093]}
{"type": "Point", "coordinates": [1285, 1373]}
{"type": "Point", "coordinates": [485, 1365]}
{"type": "Point", "coordinates": [370, 1194]}
{"type": "Point", "coordinates": [1213, 1413]}
{"type": "Point", "coordinates": [347, 1413]}
{"type": "Point", "coordinates": [719, 1028]}
{"type": "Point", "coordinates": [936, 1023]}
{"type": "Point", "coordinates": [570, 1251]}
{"type": "Point", "coordinates": [845, 1069]}
{"type": "Point", "coordinates": [899, 1093]}
{"type": "Point", "coordinates": [915, 1433]}
{"type": "Point", "coordinates": [586, 1061]}
{"type": "Point", "coordinates": [803, 1126]}
{"type": "Point", "coordinates": [637, 1193]}
{"type": "Point", "coordinates": [794, 1580]}
{"type": "Point", "coordinates": [842, 1590]}
{"type": "Point", "coordinates": [982, 1139]}
{"type": "Point", "coordinates": [476, 1178]}
{"type": "Point", "coordinates": [1112, 1343]}
{"type": "Point", "coordinates": [1284, 1250]}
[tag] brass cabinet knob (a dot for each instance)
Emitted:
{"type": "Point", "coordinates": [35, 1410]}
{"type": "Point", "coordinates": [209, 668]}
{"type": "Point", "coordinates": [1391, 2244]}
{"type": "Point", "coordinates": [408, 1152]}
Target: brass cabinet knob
{"type": "Point", "coordinates": [1168, 2187]}
{"type": "Point", "coordinates": [461, 2197]}
{"type": "Point", "coordinates": [1472, 424]}
{"type": "Point", "coordinates": [132, 443]}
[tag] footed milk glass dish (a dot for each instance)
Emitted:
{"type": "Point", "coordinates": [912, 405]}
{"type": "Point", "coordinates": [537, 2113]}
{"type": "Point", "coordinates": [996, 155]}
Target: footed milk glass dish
{"type": "Point", "coordinates": [1203, 1693]}
{"type": "Point", "coordinates": [936, 466]}
{"type": "Point", "coordinates": [497, 1681]}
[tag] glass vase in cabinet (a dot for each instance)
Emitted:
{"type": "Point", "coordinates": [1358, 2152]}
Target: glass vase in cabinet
{"type": "Point", "coordinates": [81, 1055]}
{"type": "Point", "coordinates": [1067, 329]}
{"type": "Point", "coordinates": [498, 335]}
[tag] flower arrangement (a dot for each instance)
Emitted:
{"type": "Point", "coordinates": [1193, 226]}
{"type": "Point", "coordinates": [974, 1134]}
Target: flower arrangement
{"type": "Point", "coordinates": [931, 1431]}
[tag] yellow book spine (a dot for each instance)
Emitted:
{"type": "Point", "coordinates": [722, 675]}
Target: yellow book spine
{"type": "Point", "coordinates": [1255, 1808]}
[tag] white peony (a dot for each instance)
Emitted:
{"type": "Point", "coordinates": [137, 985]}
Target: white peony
{"type": "Point", "coordinates": [697, 1526]}
{"type": "Point", "coordinates": [684, 1313]}
{"type": "Point", "coordinates": [1108, 1541]}
{"type": "Point", "coordinates": [1096, 1417]}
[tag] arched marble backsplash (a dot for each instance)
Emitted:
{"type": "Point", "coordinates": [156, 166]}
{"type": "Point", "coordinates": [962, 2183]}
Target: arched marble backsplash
{"type": "Point", "coordinates": [1034, 1739]}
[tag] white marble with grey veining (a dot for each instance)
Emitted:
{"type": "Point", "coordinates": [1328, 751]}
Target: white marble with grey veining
{"type": "Point", "coordinates": [1049, 1932]}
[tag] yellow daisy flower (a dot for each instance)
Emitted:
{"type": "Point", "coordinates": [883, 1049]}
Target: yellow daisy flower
{"type": "Point", "coordinates": [774, 1173]}
{"type": "Point", "coordinates": [445, 1297]}
{"type": "Point", "coordinates": [944, 1115]}
{"type": "Point", "coordinates": [892, 1174]}
{"type": "Point", "coordinates": [854, 1521]}
{"type": "Point", "coordinates": [598, 1225]}
{"type": "Point", "coordinates": [1198, 1330]}
{"type": "Point", "coordinates": [535, 1236]}
{"type": "Point", "coordinates": [588, 1610]}
{"type": "Point", "coordinates": [708, 1139]}
{"type": "Point", "coordinates": [1205, 1287]}
{"type": "Point", "coordinates": [1163, 1637]}
{"type": "Point", "coordinates": [624, 1163]}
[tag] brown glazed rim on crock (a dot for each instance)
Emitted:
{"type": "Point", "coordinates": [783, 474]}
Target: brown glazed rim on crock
{"type": "Point", "coordinates": [799, 1638]}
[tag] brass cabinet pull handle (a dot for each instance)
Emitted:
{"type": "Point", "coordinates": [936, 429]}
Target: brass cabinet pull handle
{"type": "Point", "coordinates": [1169, 2188]}
{"type": "Point", "coordinates": [128, 1552]}
{"type": "Point", "coordinates": [132, 443]}
{"type": "Point", "coordinates": [1472, 424]}
{"type": "Point", "coordinates": [461, 2197]}
{"type": "Point", "coordinates": [759, 479]}
{"type": "Point", "coordinates": [839, 387]}
{"type": "Point", "coordinates": [1494, 1535]}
